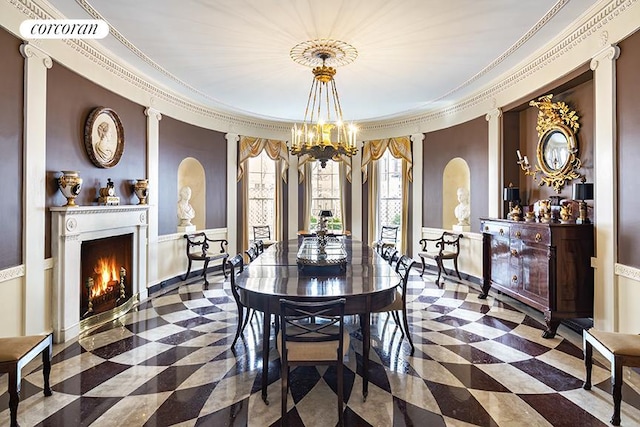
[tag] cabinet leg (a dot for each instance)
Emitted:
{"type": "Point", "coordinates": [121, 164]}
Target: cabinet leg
{"type": "Point", "coordinates": [485, 290]}
{"type": "Point", "coordinates": [552, 325]}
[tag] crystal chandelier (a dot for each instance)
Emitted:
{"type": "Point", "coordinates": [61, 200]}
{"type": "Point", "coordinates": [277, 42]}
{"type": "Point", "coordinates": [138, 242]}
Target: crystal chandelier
{"type": "Point", "coordinates": [323, 135]}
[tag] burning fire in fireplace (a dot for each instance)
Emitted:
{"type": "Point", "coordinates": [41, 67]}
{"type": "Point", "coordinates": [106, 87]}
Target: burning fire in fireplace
{"type": "Point", "coordinates": [107, 276]}
{"type": "Point", "coordinates": [105, 264]}
{"type": "Point", "coordinates": [106, 285]}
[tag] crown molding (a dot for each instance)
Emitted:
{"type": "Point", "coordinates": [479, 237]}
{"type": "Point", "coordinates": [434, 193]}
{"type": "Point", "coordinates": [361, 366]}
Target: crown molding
{"type": "Point", "coordinates": [594, 26]}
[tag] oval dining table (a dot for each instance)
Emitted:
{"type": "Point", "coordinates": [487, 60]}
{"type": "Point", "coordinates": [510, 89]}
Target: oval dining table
{"type": "Point", "coordinates": [368, 283]}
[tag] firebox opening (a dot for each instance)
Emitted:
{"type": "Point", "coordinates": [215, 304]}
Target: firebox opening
{"type": "Point", "coordinates": [106, 274]}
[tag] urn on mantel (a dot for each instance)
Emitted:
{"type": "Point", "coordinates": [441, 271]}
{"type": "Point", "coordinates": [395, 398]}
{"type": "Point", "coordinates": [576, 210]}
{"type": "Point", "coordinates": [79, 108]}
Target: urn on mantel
{"type": "Point", "coordinates": [70, 185]}
{"type": "Point", "coordinates": [141, 188]}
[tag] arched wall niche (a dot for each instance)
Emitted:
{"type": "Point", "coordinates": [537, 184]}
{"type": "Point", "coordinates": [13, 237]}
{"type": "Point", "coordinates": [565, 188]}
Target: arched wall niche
{"type": "Point", "coordinates": [456, 174]}
{"type": "Point", "coordinates": [191, 174]}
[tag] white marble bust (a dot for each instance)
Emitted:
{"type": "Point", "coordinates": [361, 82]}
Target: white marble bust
{"type": "Point", "coordinates": [463, 210]}
{"type": "Point", "coordinates": [185, 210]}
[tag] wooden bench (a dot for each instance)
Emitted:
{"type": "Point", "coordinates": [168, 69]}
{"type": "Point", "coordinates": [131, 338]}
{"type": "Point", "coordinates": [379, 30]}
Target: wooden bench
{"type": "Point", "coordinates": [447, 246]}
{"type": "Point", "coordinates": [15, 353]}
{"type": "Point", "coordinates": [199, 249]}
{"type": "Point", "coordinates": [621, 350]}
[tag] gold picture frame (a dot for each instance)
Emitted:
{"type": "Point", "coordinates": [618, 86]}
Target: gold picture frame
{"type": "Point", "coordinates": [104, 137]}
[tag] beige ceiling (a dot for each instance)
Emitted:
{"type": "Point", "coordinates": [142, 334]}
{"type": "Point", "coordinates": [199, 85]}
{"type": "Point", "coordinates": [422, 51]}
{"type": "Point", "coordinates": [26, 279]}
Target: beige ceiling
{"type": "Point", "coordinates": [413, 55]}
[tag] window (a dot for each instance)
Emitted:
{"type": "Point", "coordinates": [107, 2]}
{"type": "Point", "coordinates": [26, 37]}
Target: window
{"type": "Point", "coordinates": [389, 192]}
{"type": "Point", "coordinates": [261, 185]}
{"type": "Point", "coordinates": [325, 194]}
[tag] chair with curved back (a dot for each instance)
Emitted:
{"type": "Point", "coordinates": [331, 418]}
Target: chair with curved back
{"type": "Point", "coordinates": [403, 268]}
{"type": "Point", "coordinates": [263, 232]}
{"type": "Point", "coordinates": [252, 252]}
{"type": "Point", "coordinates": [388, 238]}
{"type": "Point", "coordinates": [447, 246]}
{"type": "Point", "coordinates": [312, 333]}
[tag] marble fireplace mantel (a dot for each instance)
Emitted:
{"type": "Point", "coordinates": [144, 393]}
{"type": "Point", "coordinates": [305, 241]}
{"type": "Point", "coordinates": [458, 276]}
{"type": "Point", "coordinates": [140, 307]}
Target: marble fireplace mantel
{"type": "Point", "coordinates": [70, 226]}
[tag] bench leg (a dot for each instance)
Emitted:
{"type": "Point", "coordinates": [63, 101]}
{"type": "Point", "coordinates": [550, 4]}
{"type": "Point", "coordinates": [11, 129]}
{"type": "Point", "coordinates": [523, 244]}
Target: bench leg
{"type": "Point", "coordinates": [14, 395]}
{"type": "Point", "coordinates": [204, 272]}
{"type": "Point", "coordinates": [224, 269]}
{"type": "Point", "coordinates": [588, 364]}
{"type": "Point", "coordinates": [440, 268]}
{"type": "Point", "coordinates": [423, 266]}
{"type": "Point", "coordinates": [188, 270]}
{"type": "Point", "coordinates": [455, 264]}
{"type": "Point", "coordinates": [46, 368]}
{"type": "Point", "coordinates": [616, 389]}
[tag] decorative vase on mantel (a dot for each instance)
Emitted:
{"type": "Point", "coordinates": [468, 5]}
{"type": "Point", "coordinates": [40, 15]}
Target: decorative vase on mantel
{"type": "Point", "coordinates": [141, 188]}
{"type": "Point", "coordinates": [70, 185]}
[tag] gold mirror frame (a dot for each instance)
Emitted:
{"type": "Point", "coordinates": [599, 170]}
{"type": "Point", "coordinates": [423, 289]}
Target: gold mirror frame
{"type": "Point", "coordinates": [556, 118]}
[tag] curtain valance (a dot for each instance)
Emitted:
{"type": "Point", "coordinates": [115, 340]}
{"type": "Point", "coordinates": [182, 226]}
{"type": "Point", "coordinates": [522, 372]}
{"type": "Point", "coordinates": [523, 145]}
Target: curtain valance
{"type": "Point", "coordinates": [399, 147]}
{"type": "Point", "coordinates": [252, 147]}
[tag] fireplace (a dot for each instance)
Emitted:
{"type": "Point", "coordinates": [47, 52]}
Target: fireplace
{"type": "Point", "coordinates": [105, 264]}
{"type": "Point", "coordinates": [101, 233]}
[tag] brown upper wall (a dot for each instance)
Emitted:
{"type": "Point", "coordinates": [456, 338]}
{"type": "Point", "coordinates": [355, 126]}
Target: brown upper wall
{"type": "Point", "coordinates": [469, 141]}
{"type": "Point", "coordinates": [179, 140]}
{"type": "Point", "coordinates": [70, 99]}
{"type": "Point", "coordinates": [11, 118]}
{"type": "Point", "coordinates": [628, 116]}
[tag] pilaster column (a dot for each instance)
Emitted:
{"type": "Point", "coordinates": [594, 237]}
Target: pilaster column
{"type": "Point", "coordinates": [36, 65]}
{"type": "Point", "coordinates": [292, 192]}
{"type": "Point", "coordinates": [416, 212]}
{"type": "Point", "coordinates": [153, 175]}
{"type": "Point", "coordinates": [605, 168]}
{"type": "Point", "coordinates": [356, 196]}
{"type": "Point", "coordinates": [232, 191]}
{"type": "Point", "coordinates": [494, 165]}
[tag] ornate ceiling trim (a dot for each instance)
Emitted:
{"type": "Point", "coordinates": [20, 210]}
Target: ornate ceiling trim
{"type": "Point", "coordinates": [595, 23]}
{"type": "Point", "coordinates": [525, 38]}
{"type": "Point", "coordinates": [414, 121]}
{"type": "Point", "coordinates": [35, 11]}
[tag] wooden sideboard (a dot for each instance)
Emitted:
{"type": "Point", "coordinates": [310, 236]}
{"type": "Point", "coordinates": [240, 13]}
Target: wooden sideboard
{"type": "Point", "coordinates": [545, 266]}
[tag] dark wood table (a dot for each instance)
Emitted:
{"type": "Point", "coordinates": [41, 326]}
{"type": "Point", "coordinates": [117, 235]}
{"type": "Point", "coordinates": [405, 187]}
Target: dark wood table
{"type": "Point", "coordinates": [368, 283]}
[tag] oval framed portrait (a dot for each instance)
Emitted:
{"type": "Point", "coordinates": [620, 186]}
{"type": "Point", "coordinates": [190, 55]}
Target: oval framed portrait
{"type": "Point", "coordinates": [104, 137]}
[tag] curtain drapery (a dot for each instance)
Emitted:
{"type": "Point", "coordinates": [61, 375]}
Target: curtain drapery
{"type": "Point", "coordinates": [277, 151]}
{"type": "Point", "coordinates": [400, 148]}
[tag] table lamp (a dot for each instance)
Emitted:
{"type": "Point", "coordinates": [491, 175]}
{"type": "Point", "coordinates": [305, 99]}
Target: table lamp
{"type": "Point", "coordinates": [583, 191]}
{"type": "Point", "coordinates": [511, 195]}
{"type": "Point", "coordinates": [325, 214]}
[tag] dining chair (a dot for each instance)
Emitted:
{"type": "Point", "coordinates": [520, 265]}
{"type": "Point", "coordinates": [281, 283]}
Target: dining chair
{"type": "Point", "coordinates": [312, 333]}
{"type": "Point", "coordinates": [399, 304]}
{"type": "Point", "coordinates": [391, 254]}
{"type": "Point", "coordinates": [263, 232]}
{"type": "Point", "coordinates": [236, 266]}
{"type": "Point", "coordinates": [388, 238]}
{"type": "Point", "coordinates": [252, 252]}
{"type": "Point", "coordinates": [447, 246]}
{"type": "Point", "coordinates": [259, 246]}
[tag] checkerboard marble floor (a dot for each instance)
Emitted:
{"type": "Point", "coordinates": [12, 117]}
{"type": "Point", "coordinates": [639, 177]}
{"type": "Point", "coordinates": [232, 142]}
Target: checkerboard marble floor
{"type": "Point", "coordinates": [477, 362]}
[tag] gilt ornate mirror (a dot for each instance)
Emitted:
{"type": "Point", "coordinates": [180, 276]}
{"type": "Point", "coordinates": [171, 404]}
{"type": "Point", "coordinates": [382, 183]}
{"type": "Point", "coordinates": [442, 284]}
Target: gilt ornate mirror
{"type": "Point", "coordinates": [557, 150]}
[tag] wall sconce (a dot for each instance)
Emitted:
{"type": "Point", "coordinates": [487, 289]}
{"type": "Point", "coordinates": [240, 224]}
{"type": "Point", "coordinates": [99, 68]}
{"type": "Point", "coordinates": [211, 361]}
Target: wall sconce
{"type": "Point", "coordinates": [525, 166]}
{"type": "Point", "coordinates": [583, 191]}
{"type": "Point", "coordinates": [511, 194]}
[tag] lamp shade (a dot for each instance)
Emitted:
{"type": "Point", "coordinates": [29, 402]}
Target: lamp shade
{"type": "Point", "coordinates": [326, 214]}
{"type": "Point", "coordinates": [511, 194]}
{"type": "Point", "coordinates": [583, 191]}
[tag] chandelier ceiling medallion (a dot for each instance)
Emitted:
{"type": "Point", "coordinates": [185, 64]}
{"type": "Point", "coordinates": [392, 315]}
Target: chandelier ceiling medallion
{"type": "Point", "coordinates": [323, 135]}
